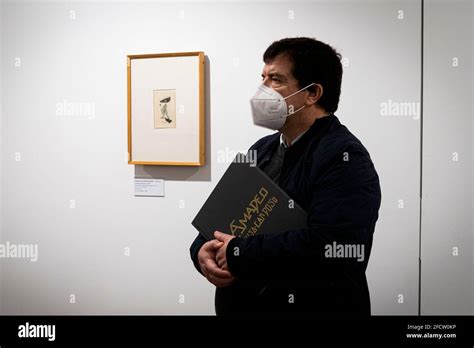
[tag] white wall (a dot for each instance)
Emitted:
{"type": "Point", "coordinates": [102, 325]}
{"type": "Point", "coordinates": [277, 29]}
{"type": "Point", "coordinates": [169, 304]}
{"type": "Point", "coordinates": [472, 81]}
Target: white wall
{"type": "Point", "coordinates": [80, 158]}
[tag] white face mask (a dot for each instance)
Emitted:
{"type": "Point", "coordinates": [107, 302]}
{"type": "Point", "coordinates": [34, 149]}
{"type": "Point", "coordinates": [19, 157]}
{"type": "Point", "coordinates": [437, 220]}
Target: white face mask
{"type": "Point", "coordinates": [269, 108]}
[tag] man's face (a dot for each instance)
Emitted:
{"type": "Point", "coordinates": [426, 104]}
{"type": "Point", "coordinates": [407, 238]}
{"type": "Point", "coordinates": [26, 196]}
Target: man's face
{"type": "Point", "coordinates": [277, 75]}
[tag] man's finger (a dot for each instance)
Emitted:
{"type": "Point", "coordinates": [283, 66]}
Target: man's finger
{"type": "Point", "coordinates": [220, 236]}
{"type": "Point", "coordinates": [220, 282]}
{"type": "Point", "coordinates": [216, 244]}
{"type": "Point", "coordinates": [212, 245]}
{"type": "Point", "coordinates": [220, 259]}
{"type": "Point", "coordinates": [214, 269]}
{"type": "Point", "coordinates": [219, 272]}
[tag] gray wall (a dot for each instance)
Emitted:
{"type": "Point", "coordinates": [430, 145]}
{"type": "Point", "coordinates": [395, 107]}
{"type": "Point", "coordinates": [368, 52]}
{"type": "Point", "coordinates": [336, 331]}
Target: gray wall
{"type": "Point", "coordinates": [79, 57]}
{"type": "Point", "coordinates": [1, 145]}
{"type": "Point", "coordinates": [447, 264]}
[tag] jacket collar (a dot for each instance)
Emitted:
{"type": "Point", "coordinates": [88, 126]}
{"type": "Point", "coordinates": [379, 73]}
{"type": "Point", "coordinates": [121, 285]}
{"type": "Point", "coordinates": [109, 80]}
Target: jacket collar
{"type": "Point", "coordinates": [319, 127]}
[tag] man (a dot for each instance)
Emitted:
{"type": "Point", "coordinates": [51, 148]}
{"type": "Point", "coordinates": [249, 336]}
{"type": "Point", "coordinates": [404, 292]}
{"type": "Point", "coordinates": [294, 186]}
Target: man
{"type": "Point", "coordinates": [328, 172]}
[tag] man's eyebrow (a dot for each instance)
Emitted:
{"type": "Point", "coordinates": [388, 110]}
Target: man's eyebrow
{"type": "Point", "coordinates": [271, 74]}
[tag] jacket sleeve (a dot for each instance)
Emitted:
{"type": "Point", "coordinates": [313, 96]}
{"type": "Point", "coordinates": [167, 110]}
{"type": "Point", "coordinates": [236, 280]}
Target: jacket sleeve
{"type": "Point", "coordinates": [194, 250]}
{"type": "Point", "coordinates": [345, 198]}
{"type": "Point", "coordinates": [200, 240]}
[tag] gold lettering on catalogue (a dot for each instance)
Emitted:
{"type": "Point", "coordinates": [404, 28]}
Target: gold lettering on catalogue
{"type": "Point", "coordinates": [254, 208]}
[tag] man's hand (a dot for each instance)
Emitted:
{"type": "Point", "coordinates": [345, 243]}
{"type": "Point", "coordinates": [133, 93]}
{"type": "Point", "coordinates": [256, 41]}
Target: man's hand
{"type": "Point", "coordinates": [209, 267]}
{"type": "Point", "coordinates": [221, 258]}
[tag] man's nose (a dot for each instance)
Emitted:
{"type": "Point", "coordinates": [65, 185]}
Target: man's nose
{"type": "Point", "coordinates": [266, 81]}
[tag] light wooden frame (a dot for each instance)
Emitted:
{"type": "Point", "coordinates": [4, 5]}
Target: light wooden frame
{"type": "Point", "coordinates": [201, 109]}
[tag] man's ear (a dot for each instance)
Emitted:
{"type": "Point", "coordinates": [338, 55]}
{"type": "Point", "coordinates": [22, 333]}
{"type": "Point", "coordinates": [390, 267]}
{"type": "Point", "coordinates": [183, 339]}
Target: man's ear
{"type": "Point", "coordinates": [314, 96]}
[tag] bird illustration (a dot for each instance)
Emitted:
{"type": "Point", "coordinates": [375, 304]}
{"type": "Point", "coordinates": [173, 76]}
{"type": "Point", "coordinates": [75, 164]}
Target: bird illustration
{"type": "Point", "coordinates": [164, 109]}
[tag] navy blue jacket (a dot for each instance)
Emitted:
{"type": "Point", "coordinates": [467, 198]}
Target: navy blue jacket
{"type": "Point", "coordinates": [330, 174]}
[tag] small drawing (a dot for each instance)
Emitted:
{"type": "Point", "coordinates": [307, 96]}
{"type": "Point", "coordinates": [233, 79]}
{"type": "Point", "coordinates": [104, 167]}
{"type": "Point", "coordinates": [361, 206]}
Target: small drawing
{"type": "Point", "coordinates": [164, 108]}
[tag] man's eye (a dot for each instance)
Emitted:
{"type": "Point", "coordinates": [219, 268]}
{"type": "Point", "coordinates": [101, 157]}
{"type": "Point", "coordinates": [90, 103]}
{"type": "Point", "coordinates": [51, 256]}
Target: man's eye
{"type": "Point", "coordinates": [275, 79]}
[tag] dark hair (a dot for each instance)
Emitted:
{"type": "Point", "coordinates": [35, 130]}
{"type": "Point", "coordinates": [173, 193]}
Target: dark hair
{"type": "Point", "coordinates": [312, 61]}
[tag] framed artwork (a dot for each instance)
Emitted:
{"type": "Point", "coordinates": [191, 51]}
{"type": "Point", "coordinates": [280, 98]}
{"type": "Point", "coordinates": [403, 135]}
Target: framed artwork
{"type": "Point", "coordinates": [166, 114]}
